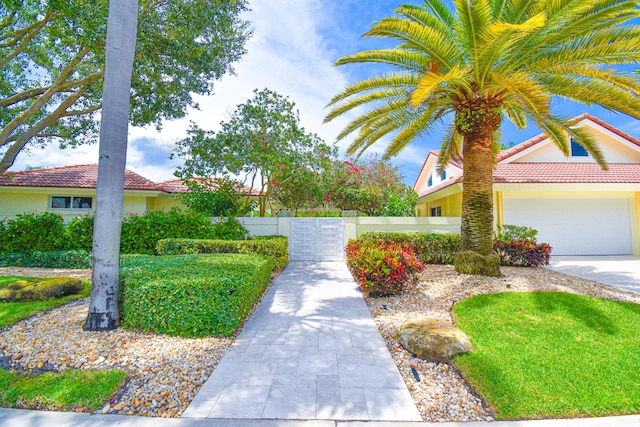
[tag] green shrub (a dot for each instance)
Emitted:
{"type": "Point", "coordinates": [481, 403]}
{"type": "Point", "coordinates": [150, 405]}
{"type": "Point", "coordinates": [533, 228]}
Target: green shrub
{"type": "Point", "coordinates": [230, 228]}
{"type": "Point", "coordinates": [191, 295]}
{"type": "Point", "coordinates": [140, 234]}
{"type": "Point", "coordinates": [515, 233]}
{"type": "Point", "coordinates": [2, 233]}
{"type": "Point", "coordinates": [80, 232]}
{"type": "Point", "coordinates": [382, 267]}
{"type": "Point", "coordinates": [49, 259]}
{"type": "Point", "coordinates": [30, 232]}
{"type": "Point", "coordinates": [430, 248]}
{"type": "Point", "coordinates": [40, 289]}
{"type": "Point", "coordinates": [274, 247]}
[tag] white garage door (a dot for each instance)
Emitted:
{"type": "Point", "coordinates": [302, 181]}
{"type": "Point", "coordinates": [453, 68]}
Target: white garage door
{"type": "Point", "coordinates": [575, 226]}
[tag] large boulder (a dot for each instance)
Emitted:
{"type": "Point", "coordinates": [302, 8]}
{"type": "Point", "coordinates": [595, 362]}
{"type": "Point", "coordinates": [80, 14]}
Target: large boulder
{"type": "Point", "coordinates": [433, 339]}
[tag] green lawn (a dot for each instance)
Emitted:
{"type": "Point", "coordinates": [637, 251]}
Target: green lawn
{"type": "Point", "coordinates": [11, 312]}
{"type": "Point", "coordinates": [61, 391]}
{"type": "Point", "coordinates": [548, 354]}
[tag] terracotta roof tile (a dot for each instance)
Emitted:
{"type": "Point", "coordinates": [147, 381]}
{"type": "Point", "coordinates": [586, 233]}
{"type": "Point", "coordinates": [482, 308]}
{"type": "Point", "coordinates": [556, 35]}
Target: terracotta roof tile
{"type": "Point", "coordinates": [177, 186]}
{"type": "Point", "coordinates": [77, 176]}
{"type": "Point", "coordinates": [578, 173]}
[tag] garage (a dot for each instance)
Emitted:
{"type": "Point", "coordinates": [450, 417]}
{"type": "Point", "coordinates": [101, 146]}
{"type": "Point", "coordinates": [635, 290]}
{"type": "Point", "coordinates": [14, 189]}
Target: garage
{"type": "Point", "coordinates": [575, 226]}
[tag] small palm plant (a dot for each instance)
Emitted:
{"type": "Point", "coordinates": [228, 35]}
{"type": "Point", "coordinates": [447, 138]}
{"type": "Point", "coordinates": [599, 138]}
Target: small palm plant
{"type": "Point", "coordinates": [484, 61]}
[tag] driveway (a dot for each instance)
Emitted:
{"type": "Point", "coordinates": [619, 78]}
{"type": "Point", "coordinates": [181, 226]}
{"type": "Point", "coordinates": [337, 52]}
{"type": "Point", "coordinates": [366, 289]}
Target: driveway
{"type": "Point", "coordinates": [621, 271]}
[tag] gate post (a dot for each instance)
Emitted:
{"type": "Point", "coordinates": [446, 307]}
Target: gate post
{"type": "Point", "coordinates": [350, 219]}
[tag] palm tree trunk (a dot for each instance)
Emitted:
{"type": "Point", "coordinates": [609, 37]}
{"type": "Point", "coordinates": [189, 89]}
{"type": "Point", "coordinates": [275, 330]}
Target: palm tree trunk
{"type": "Point", "coordinates": [120, 49]}
{"type": "Point", "coordinates": [477, 194]}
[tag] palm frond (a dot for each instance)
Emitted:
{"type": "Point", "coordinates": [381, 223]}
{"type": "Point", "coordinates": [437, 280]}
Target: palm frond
{"type": "Point", "coordinates": [401, 58]}
{"type": "Point", "coordinates": [473, 18]}
{"type": "Point", "coordinates": [381, 95]}
{"type": "Point", "coordinates": [431, 82]}
{"type": "Point", "coordinates": [520, 87]}
{"type": "Point", "coordinates": [450, 148]}
{"type": "Point", "coordinates": [391, 80]}
{"type": "Point", "coordinates": [417, 37]}
{"type": "Point", "coordinates": [593, 91]}
{"type": "Point", "coordinates": [372, 116]}
{"type": "Point", "coordinates": [413, 129]}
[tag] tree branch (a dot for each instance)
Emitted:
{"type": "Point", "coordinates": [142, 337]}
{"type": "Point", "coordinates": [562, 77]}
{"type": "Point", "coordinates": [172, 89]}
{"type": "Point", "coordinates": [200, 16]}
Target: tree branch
{"type": "Point", "coordinates": [21, 140]}
{"type": "Point", "coordinates": [44, 98]}
{"type": "Point", "coordinates": [32, 93]}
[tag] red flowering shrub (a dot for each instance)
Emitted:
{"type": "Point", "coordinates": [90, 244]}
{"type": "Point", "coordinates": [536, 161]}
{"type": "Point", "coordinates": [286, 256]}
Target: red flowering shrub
{"type": "Point", "coordinates": [522, 253]}
{"type": "Point", "coordinates": [382, 267]}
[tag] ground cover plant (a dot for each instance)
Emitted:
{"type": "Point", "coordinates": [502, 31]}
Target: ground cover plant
{"type": "Point", "coordinates": [70, 390]}
{"type": "Point", "coordinates": [11, 312]}
{"type": "Point", "coordinates": [552, 354]}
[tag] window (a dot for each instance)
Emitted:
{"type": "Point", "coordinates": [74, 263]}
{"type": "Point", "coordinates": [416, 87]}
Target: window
{"type": "Point", "coordinates": [430, 181]}
{"type": "Point", "coordinates": [443, 175]}
{"type": "Point", "coordinates": [436, 211]}
{"type": "Point", "coordinates": [578, 150]}
{"type": "Point", "coordinates": [68, 202]}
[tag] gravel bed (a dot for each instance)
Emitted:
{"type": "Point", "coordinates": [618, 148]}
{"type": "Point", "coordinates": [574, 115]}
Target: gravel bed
{"type": "Point", "coordinates": [442, 394]}
{"type": "Point", "coordinates": [165, 373]}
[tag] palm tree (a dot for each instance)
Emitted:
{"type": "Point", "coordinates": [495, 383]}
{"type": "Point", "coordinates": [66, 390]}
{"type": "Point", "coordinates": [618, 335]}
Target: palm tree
{"type": "Point", "coordinates": [486, 60]}
{"type": "Point", "coordinates": [114, 123]}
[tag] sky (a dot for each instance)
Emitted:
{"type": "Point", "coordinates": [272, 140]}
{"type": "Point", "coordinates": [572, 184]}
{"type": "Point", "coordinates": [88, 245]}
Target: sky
{"type": "Point", "coordinates": [292, 51]}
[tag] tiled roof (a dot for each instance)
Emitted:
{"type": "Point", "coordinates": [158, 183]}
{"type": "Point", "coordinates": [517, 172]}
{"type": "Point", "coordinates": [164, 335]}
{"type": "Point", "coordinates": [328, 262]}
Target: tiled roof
{"type": "Point", "coordinates": [77, 176]}
{"type": "Point", "coordinates": [177, 186]}
{"type": "Point", "coordinates": [512, 173]}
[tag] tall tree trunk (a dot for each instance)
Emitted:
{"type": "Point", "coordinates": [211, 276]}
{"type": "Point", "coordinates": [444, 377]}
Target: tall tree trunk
{"type": "Point", "coordinates": [477, 195]}
{"type": "Point", "coordinates": [477, 121]}
{"type": "Point", "coordinates": [120, 49]}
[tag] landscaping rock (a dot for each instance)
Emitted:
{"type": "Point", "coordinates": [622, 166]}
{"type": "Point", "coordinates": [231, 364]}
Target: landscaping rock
{"type": "Point", "coordinates": [433, 339]}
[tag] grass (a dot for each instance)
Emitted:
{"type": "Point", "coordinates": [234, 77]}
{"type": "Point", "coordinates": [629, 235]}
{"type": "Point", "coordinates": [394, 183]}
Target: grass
{"type": "Point", "coordinates": [547, 354]}
{"type": "Point", "coordinates": [11, 312]}
{"type": "Point", "coordinates": [60, 391]}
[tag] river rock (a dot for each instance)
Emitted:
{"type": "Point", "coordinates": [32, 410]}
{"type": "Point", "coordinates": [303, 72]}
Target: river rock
{"type": "Point", "coordinates": [433, 339]}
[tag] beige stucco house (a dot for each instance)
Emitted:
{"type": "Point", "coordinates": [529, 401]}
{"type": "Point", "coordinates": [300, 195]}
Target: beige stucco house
{"type": "Point", "coordinates": [71, 192]}
{"type": "Point", "coordinates": [576, 206]}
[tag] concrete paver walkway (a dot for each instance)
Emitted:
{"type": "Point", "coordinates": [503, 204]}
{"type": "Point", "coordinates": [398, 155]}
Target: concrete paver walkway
{"type": "Point", "coordinates": [310, 351]}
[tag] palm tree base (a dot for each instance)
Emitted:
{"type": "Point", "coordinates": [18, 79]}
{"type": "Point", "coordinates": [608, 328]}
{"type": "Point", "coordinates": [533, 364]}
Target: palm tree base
{"type": "Point", "coordinates": [469, 262]}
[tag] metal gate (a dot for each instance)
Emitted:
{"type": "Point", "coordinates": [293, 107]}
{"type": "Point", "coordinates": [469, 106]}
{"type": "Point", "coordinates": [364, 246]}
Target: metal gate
{"type": "Point", "coordinates": [316, 239]}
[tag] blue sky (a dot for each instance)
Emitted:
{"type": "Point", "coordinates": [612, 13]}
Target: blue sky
{"type": "Point", "coordinates": [292, 51]}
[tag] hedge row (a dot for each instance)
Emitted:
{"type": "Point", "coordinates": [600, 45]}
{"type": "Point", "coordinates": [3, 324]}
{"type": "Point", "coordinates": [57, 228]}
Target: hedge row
{"type": "Point", "coordinates": [47, 259]}
{"type": "Point", "coordinates": [191, 295]}
{"type": "Point", "coordinates": [46, 231]}
{"type": "Point", "coordinates": [441, 248]}
{"type": "Point", "coordinates": [274, 247]}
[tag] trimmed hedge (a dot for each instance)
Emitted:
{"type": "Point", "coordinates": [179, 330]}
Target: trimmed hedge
{"type": "Point", "coordinates": [47, 259]}
{"type": "Point", "coordinates": [430, 248]}
{"type": "Point", "coordinates": [274, 247]}
{"type": "Point", "coordinates": [191, 295]}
